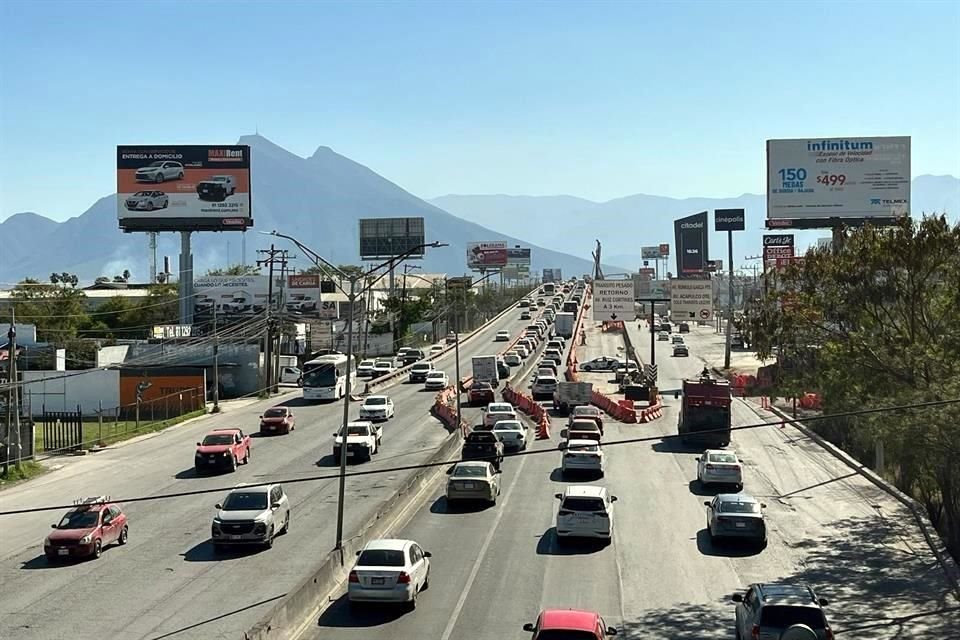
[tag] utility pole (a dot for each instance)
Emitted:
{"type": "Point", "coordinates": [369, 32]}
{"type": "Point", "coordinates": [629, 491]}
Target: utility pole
{"type": "Point", "coordinates": [281, 257]}
{"type": "Point", "coordinates": [216, 364]}
{"type": "Point", "coordinates": [15, 393]}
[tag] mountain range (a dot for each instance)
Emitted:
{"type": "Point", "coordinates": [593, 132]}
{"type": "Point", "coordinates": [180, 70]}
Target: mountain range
{"type": "Point", "coordinates": [624, 224]}
{"type": "Point", "coordinates": [317, 200]}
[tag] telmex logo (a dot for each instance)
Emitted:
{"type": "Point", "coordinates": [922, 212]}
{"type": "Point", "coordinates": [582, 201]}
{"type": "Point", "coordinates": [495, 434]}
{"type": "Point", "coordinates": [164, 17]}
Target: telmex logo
{"type": "Point", "coordinates": [778, 241]}
{"type": "Point", "coordinates": [692, 225]}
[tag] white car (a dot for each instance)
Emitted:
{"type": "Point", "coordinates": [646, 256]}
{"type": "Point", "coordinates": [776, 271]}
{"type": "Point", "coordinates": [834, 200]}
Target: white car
{"type": "Point", "coordinates": [365, 368]}
{"type": "Point", "coordinates": [503, 336]}
{"type": "Point", "coordinates": [522, 350]}
{"type": "Point", "coordinates": [389, 571]}
{"type": "Point", "coordinates": [436, 380]}
{"type": "Point", "coordinates": [251, 515]}
{"type": "Point", "coordinates": [512, 358]}
{"type": "Point", "coordinates": [146, 201]}
{"type": "Point", "coordinates": [586, 511]}
{"type": "Point", "coordinates": [377, 408]}
{"type": "Point", "coordinates": [583, 455]}
{"type": "Point", "coordinates": [436, 349]}
{"type": "Point", "coordinates": [543, 386]}
{"type": "Point", "coordinates": [497, 411]}
{"type": "Point", "coordinates": [160, 171]}
{"type": "Point", "coordinates": [512, 434]}
{"type": "Point", "coordinates": [216, 188]}
{"type": "Point", "coordinates": [718, 466]}
{"type": "Point", "coordinates": [382, 368]}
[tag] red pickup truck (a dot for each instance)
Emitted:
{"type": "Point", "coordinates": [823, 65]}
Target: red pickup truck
{"type": "Point", "coordinates": [222, 449]}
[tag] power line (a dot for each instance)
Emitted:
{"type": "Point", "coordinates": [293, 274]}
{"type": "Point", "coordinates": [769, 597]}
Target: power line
{"type": "Point", "coordinates": [427, 465]}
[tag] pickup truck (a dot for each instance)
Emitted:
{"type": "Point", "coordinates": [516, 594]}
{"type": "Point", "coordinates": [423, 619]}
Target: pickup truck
{"type": "Point", "coordinates": [222, 449]}
{"type": "Point", "coordinates": [363, 440]}
{"type": "Point", "coordinates": [483, 445]}
{"type": "Point", "coordinates": [217, 188]}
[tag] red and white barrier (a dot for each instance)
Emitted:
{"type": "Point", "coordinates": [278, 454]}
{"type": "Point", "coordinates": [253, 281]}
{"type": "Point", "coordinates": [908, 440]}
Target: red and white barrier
{"type": "Point", "coordinates": [650, 413]}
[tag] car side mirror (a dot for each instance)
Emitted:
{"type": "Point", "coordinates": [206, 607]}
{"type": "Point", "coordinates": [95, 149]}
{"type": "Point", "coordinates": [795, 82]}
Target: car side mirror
{"type": "Point", "coordinates": [613, 498]}
{"type": "Point", "coordinates": [558, 496]}
{"type": "Point", "coordinates": [611, 631]}
{"type": "Point", "coordinates": [198, 444]}
{"type": "Point", "coordinates": [823, 601]}
{"type": "Point", "coordinates": [359, 552]}
{"type": "Point", "coordinates": [763, 505]}
{"type": "Point", "coordinates": [528, 627]}
{"type": "Point", "coordinates": [706, 503]}
{"type": "Point", "coordinates": [261, 417]}
{"type": "Point", "coordinates": [499, 471]}
{"type": "Point", "coordinates": [676, 394]}
{"type": "Point", "coordinates": [218, 506]}
{"type": "Point", "coordinates": [53, 526]}
{"type": "Point", "coordinates": [427, 554]}
{"type": "Point", "coordinates": [737, 597]}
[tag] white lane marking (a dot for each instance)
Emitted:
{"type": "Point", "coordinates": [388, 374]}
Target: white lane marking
{"type": "Point", "coordinates": [455, 616]}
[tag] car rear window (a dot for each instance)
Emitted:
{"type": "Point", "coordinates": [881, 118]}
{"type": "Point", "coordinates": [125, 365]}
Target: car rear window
{"type": "Point", "coordinates": [469, 472]}
{"type": "Point", "coordinates": [565, 634]}
{"type": "Point", "coordinates": [781, 617]}
{"type": "Point", "coordinates": [422, 367]}
{"type": "Point", "coordinates": [380, 558]}
{"type": "Point", "coordinates": [722, 457]}
{"type": "Point", "coordinates": [739, 507]}
{"type": "Point", "coordinates": [583, 504]}
{"type": "Point", "coordinates": [375, 401]}
{"type": "Point", "coordinates": [275, 413]}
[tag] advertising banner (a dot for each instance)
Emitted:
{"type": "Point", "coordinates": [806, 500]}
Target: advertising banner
{"type": "Point", "coordinates": [647, 271]}
{"type": "Point", "coordinates": [233, 297]}
{"type": "Point", "coordinates": [321, 335]}
{"type": "Point", "coordinates": [518, 256]}
{"type": "Point", "coordinates": [184, 188]}
{"type": "Point", "coordinates": [613, 300]}
{"type": "Point", "coordinates": [691, 300]}
{"type": "Point", "coordinates": [779, 245]}
{"type": "Point", "coordinates": [382, 238]}
{"type": "Point", "coordinates": [303, 297]}
{"type": "Point", "coordinates": [729, 220]}
{"type": "Point", "coordinates": [664, 250]}
{"type": "Point", "coordinates": [691, 240]}
{"type": "Point", "coordinates": [812, 180]}
{"type": "Point", "coordinates": [649, 253]}
{"type": "Point", "coordinates": [169, 331]}
{"type": "Point", "coordinates": [485, 255]}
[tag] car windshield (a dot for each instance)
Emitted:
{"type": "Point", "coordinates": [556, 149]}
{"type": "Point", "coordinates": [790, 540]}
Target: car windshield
{"type": "Point", "coordinates": [84, 519]}
{"type": "Point", "coordinates": [722, 457]}
{"type": "Point", "coordinates": [581, 446]}
{"type": "Point", "coordinates": [158, 163]}
{"type": "Point", "coordinates": [435, 375]}
{"type": "Point", "coordinates": [217, 439]}
{"type": "Point", "coordinates": [583, 504]}
{"type": "Point", "coordinates": [586, 411]}
{"type": "Point", "coordinates": [366, 363]}
{"type": "Point", "coordinates": [356, 431]}
{"type": "Point", "coordinates": [565, 634]}
{"type": "Point", "coordinates": [383, 365]}
{"type": "Point", "coordinates": [323, 376]}
{"type": "Point", "coordinates": [141, 193]}
{"type": "Point", "coordinates": [219, 178]}
{"type": "Point", "coordinates": [380, 558]}
{"type": "Point", "coordinates": [507, 426]}
{"type": "Point", "coordinates": [375, 401]}
{"type": "Point", "coordinates": [472, 471]}
{"type": "Point", "coordinates": [245, 501]}
{"type": "Point", "coordinates": [782, 617]}
{"type": "Point", "coordinates": [275, 413]}
{"type": "Point", "coordinates": [739, 507]}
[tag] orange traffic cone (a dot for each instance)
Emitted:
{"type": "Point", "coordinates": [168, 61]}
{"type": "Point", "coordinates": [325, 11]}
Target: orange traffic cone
{"type": "Point", "coordinates": [543, 433]}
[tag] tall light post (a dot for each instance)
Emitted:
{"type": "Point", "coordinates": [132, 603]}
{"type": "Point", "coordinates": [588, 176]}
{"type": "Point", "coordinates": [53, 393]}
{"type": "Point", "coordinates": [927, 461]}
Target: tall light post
{"type": "Point", "coordinates": [456, 341]}
{"type": "Point", "coordinates": [352, 295]}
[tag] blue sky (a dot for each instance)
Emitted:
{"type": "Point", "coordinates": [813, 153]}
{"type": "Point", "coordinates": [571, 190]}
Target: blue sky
{"type": "Point", "coordinates": [595, 99]}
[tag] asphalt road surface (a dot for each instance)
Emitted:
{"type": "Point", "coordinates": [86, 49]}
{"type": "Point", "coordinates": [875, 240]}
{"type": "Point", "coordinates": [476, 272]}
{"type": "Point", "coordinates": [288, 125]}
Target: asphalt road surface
{"type": "Point", "coordinates": [167, 582]}
{"type": "Point", "coordinates": [495, 568]}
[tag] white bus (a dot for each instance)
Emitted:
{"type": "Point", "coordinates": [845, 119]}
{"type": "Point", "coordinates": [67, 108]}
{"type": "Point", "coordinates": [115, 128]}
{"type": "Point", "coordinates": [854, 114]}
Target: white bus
{"type": "Point", "coordinates": [549, 289]}
{"type": "Point", "coordinates": [325, 377]}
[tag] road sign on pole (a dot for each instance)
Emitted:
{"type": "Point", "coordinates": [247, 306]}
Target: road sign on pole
{"type": "Point", "coordinates": [650, 373]}
{"type": "Point", "coordinates": [612, 300]}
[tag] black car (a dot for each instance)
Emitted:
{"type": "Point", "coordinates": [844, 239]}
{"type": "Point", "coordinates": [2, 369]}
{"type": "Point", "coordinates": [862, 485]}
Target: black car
{"type": "Point", "coordinates": [503, 370]}
{"type": "Point", "coordinates": [411, 356]}
{"type": "Point", "coordinates": [683, 327]}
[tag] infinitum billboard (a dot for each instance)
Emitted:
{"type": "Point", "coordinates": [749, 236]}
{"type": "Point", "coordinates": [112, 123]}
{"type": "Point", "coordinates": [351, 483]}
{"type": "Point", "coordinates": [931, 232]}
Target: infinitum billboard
{"type": "Point", "coordinates": [811, 181]}
{"type": "Point", "coordinates": [184, 188]}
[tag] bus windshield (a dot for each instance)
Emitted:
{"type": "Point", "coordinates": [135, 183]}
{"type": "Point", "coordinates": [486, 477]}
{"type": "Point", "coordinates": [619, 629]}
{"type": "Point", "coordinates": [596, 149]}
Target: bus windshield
{"type": "Point", "coordinates": [323, 376]}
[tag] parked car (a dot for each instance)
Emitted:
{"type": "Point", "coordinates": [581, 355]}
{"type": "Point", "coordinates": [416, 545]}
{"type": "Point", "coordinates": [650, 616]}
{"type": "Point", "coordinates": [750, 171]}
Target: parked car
{"type": "Point", "coordinates": [377, 408]}
{"type": "Point", "coordinates": [436, 379]}
{"type": "Point", "coordinates": [146, 201]}
{"type": "Point", "coordinates": [251, 516]}
{"type": "Point", "coordinates": [86, 529]}
{"type": "Point", "coordinates": [736, 515]}
{"type": "Point", "coordinates": [217, 188]}
{"type": "Point", "coordinates": [583, 455]}
{"type": "Point", "coordinates": [160, 171]}
{"type": "Point", "coordinates": [718, 466]}
{"type": "Point", "coordinates": [473, 480]}
{"type": "Point", "coordinates": [481, 393]}
{"type": "Point", "coordinates": [603, 363]}
{"type": "Point", "coordinates": [363, 440]}
{"type": "Point", "coordinates": [277, 420]}
{"type": "Point", "coordinates": [222, 449]}
{"type": "Point", "coordinates": [569, 623]}
{"type": "Point", "coordinates": [512, 433]}
{"type": "Point", "coordinates": [586, 511]}
{"type": "Point", "coordinates": [389, 571]}
{"type": "Point", "coordinates": [781, 610]}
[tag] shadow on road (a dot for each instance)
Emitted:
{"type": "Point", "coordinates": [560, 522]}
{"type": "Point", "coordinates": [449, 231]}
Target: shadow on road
{"type": "Point", "coordinates": [697, 488]}
{"type": "Point", "coordinates": [41, 562]}
{"type": "Point", "coordinates": [190, 472]}
{"type": "Point", "coordinates": [297, 402]}
{"type": "Point", "coordinates": [673, 445]}
{"type": "Point", "coordinates": [204, 552]}
{"type": "Point", "coordinates": [730, 548]}
{"type": "Point", "coordinates": [341, 614]}
{"type": "Point", "coordinates": [550, 545]}
{"type": "Point", "coordinates": [441, 505]}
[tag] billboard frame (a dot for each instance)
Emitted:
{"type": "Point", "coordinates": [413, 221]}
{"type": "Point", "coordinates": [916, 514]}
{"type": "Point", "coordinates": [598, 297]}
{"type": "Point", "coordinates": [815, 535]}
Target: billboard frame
{"type": "Point", "coordinates": [487, 247]}
{"type": "Point", "coordinates": [386, 245]}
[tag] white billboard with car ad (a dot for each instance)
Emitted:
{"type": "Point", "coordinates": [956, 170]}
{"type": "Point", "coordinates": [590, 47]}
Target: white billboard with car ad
{"type": "Point", "coordinates": [233, 296]}
{"type": "Point", "coordinates": [303, 297]}
{"type": "Point", "coordinates": [810, 181]}
{"type": "Point", "coordinates": [184, 188]}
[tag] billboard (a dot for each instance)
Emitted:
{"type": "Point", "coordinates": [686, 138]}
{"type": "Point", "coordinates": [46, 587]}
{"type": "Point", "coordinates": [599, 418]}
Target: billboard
{"type": "Point", "coordinates": [649, 253]}
{"type": "Point", "coordinates": [729, 220]}
{"type": "Point", "coordinates": [485, 255]}
{"type": "Point", "coordinates": [778, 245]}
{"type": "Point", "coordinates": [303, 297]}
{"type": "Point", "coordinates": [382, 238]}
{"type": "Point", "coordinates": [184, 188]}
{"type": "Point", "coordinates": [613, 300]}
{"type": "Point", "coordinates": [810, 181]}
{"type": "Point", "coordinates": [691, 300]}
{"type": "Point", "coordinates": [518, 256]}
{"type": "Point", "coordinates": [691, 240]}
{"type": "Point", "coordinates": [170, 331]}
{"type": "Point", "coordinates": [664, 250]}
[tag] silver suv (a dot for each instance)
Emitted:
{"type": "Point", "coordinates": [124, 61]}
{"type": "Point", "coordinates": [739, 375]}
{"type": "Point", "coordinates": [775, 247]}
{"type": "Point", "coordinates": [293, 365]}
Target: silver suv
{"type": "Point", "coordinates": [780, 611]}
{"type": "Point", "coordinates": [251, 515]}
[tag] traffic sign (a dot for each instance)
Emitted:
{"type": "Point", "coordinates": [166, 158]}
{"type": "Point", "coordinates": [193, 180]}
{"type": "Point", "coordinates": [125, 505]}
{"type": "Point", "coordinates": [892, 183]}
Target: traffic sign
{"type": "Point", "coordinates": [691, 299]}
{"type": "Point", "coordinates": [612, 300]}
{"type": "Point", "coordinates": [650, 372]}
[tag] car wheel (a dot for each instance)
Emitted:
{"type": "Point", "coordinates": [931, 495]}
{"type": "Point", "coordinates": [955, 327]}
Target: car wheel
{"type": "Point", "coordinates": [149, 206]}
{"type": "Point", "coordinates": [166, 203]}
{"type": "Point", "coordinates": [158, 178]}
{"type": "Point", "coordinates": [233, 463]}
{"type": "Point", "coordinates": [97, 548]}
{"type": "Point", "coordinates": [413, 600]}
{"type": "Point", "coordinates": [268, 543]}
{"type": "Point", "coordinates": [246, 457]}
{"type": "Point", "coordinates": [180, 176]}
{"type": "Point", "coordinates": [286, 524]}
{"type": "Point", "coordinates": [426, 581]}
{"type": "Point", "coordinates": [124, 535]}
{"type": "Point", "coordinates": [739, 487]}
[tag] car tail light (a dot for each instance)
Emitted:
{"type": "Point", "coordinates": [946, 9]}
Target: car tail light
{"type": "Point", "coordinates": [755, 632]}
{"type": "Point", "coordinates": [565, 513]}
{"type": "Point", "coordinates": [828, 633]}
{"type": "Point", "coordinates": [403, 578]}
{"type": "Point", "coordinates": [354, 577]}
{"type": "Point", "coordinates": [710, 467]}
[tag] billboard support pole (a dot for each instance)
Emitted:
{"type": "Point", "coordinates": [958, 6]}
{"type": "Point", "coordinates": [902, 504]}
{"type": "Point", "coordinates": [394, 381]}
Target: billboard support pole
{"type": "Point", "coordinates": [185, 285]}
{"type": "Point", "coordinates": [726, 351]}
{"type": "Point", "coordinates": [216, 364]}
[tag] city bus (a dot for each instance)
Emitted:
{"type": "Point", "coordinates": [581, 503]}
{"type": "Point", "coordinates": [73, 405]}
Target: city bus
{"type": "Point", "coordinates": [325, 377]}
{"type": "Point", "coordinates": [549, 289]}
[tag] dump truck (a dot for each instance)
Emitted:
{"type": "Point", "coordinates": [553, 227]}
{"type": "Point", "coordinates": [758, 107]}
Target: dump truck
{"type": "Point", "coordinates": [705, 411]}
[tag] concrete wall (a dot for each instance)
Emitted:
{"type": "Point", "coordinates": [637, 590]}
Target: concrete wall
{"type": "Point", "coordinates": [63, 391]}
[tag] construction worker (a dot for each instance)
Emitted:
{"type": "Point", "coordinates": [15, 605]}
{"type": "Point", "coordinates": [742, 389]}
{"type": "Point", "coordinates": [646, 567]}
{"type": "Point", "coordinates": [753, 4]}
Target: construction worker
{"type": "Point", "coordinates": [583, 336]}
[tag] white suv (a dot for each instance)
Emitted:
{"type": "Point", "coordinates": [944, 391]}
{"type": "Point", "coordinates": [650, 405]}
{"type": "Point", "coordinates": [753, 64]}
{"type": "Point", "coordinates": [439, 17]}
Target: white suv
{"type": "Point", "coordinates": [160, 171]}
{"type": "Point", "coordinates": [217, 188]}
{"type": "Point", "coordinates": [251, 515]}
{"type": "Point", "coordinates": [586, 511]}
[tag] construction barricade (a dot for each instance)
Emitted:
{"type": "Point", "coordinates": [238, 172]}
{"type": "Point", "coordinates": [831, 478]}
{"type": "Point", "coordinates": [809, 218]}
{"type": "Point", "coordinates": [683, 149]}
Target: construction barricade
{"type": "Point", "coordinates": [445, 409]}
{"type": "Point", "coordinates": [620, 412]}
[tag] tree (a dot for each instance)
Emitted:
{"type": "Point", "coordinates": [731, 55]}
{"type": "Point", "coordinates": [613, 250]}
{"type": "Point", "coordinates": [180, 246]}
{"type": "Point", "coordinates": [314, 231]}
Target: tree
{"type": "Point", "coordinates": [873, 324]}
{"type": "Point", "coordinates": [64, 278]}
{"type": "Point", "coordinates": [58, 312]}
{"type": "Point", "coordinates": [235, 270]}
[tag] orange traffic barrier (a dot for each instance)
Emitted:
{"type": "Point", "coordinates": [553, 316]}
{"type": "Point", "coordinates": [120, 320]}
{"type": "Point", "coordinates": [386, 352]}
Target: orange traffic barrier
{"type": "Point", "coordinates": [543, 430]}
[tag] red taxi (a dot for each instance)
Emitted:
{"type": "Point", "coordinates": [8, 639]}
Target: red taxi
{"type": "Point", "coordinates": [86, 529]}
{"type": "Point", "coordinates": [569, 624]}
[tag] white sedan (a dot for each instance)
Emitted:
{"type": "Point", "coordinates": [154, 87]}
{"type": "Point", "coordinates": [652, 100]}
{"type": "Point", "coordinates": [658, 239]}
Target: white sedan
{"type": "Point", "coordinates": [365, 368]}
{"type": "Point", "coordinates": [497, 411]}
{"type": "Point", "coordinates": [511, 433]}
{"type": "Point", "coordinates": [436, 380]}
{"type": "Point", "coordinates": [512, 358]}
{"type": "Point", "coordinates": [382, 368]}
{"type": "Point", "coordinates": [435, 349]}
{"type": "Point", "coordinates": [389, 571]}
{"type": "Point", "coordinates": [718, 466]}
{"type": "Point", "coordinates": [377, 408]}
{"type": "Point", "coordinates": [503, 336]}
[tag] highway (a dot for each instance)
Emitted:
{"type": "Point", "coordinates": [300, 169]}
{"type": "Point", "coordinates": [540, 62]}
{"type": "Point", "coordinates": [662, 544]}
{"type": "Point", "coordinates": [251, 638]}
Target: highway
{"type": "Point", "coordinates": [495, 568]}
{"type": "Point", "coordinates": [167, 582]}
